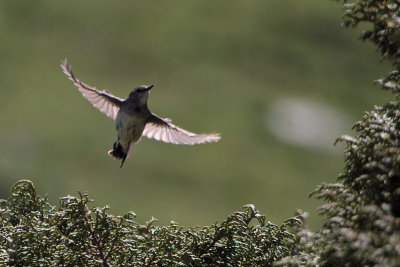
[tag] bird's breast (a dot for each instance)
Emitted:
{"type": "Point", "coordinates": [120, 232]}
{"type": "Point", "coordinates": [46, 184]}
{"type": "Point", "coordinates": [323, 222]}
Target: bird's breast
{"type": "Point", "coordinates": [129, 126]}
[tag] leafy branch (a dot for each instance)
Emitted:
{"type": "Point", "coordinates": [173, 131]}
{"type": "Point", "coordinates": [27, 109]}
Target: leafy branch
{"type": "Point", "coordinates": [78, 234]}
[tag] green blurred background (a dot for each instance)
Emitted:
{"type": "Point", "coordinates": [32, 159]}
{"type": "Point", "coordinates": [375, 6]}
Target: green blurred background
{"type": "Point", "coordinates": [217, 65]}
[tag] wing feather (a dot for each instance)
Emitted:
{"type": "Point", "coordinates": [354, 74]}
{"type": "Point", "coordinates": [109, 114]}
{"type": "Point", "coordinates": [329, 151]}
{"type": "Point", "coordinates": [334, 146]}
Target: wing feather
{"type": "Point", "coordinates": [102, 100]}
{"type": "Point", "coordinates": [163, 130]}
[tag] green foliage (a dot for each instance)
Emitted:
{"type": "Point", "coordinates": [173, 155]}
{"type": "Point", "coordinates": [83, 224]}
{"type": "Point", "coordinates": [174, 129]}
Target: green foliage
{"type": "Point", "coordinates": [35, 233]}
{"type": "Point", "coordinates": [362, 212]}
{"type": "Point", "coordinates": [384, 16]}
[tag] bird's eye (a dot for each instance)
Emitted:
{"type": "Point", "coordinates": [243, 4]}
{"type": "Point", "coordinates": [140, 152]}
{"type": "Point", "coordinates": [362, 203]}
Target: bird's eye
{"type": "Point", "coordinates": [139, 90]}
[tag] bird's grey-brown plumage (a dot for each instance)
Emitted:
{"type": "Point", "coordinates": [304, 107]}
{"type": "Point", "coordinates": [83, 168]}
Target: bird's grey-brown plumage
{"type": "Point", "coordinates": [133, 118]}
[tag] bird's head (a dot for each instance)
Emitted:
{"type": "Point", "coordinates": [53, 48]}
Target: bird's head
{"type": "Point", "coordinates": [141, 92]}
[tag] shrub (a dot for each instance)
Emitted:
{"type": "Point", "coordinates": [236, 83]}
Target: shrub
{"type": "Point", "coordinates": [362, 211]}
{"type": "Point", "coordinates": [35, 233]}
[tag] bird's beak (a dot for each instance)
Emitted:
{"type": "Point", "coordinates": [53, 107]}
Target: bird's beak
{"type": "Point", "coordinates": [149, 87]}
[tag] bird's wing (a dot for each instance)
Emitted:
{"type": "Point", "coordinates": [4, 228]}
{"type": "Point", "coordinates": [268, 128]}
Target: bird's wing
{"type": "Point", "coordinates": [163, 130]}
{"type": "Point", "coordinates": [102, 100]}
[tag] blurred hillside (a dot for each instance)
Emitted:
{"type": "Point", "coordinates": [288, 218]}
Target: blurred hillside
{"type": "Point", "coordinates": [217, 66]}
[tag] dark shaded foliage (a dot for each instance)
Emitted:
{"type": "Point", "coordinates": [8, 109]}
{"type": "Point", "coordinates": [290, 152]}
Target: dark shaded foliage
{"type": "Point", "coordinates": [35, 233]}
{"type": "Point", "coordinates": [383, 19]}
{"type": "Point", "coordinates": [362, 211]}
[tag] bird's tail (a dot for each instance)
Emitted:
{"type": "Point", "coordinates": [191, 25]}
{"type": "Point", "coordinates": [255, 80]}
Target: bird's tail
{"type": "Point", "coordinates": [118, 153]}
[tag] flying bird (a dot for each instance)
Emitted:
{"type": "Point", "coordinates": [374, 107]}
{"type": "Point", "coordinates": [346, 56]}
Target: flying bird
{"type": "Point", "coordinates": [133, 119]}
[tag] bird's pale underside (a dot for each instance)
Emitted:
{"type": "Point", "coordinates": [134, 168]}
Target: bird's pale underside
{"type": "Point", "coordinates": [133, 119]}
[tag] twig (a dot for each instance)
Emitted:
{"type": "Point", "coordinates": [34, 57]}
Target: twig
{"type": "Point", "coordinates": [94, 239]}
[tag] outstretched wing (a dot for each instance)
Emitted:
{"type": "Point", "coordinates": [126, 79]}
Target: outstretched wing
{"type": "Point", "coordinates": [102, 100]}
{"type": "Point", "coordinates": [163, 130]}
